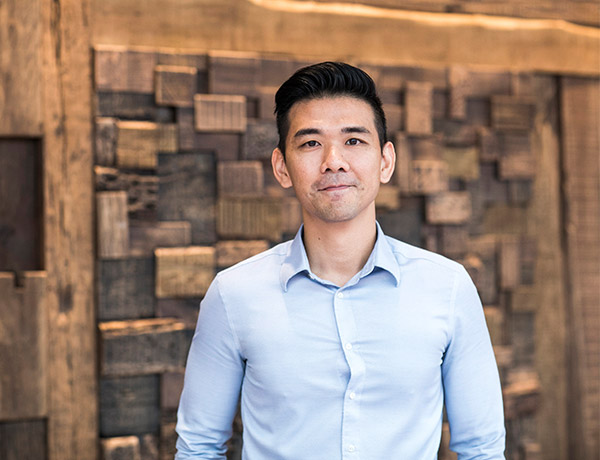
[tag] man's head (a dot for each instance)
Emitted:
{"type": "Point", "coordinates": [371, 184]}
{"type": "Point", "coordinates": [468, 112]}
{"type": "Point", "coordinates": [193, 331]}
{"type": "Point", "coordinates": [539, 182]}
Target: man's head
{"type": "Point", "coordinates": [327, 79]}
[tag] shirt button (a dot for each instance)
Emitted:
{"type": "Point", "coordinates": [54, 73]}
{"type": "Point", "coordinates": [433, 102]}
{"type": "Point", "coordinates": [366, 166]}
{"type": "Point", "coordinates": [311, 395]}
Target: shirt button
{"type": "Point", "coordinates": [348, 346]}
{"type": "Point", "coordinates": [352, 395]}
{"type": "Point", "coordinates": [351, 448]}
{"type": "Point", "coordinates": [340, 295]}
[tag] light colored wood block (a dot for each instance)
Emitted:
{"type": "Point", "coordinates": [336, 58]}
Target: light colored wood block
{"type": "Point", "coordinates": [419, 107]}
{"type": "Point", "coordinates": [249, 218]}
{"type": "Point", "coordinates": [24, 338]}
{"type": "Point", "coordinates": [175, 85]}
{"type": "Point", "coordinates": [388, 197]}
{"type": "Point", "coordinates": [510, 267]}
{"type": "Point", "coordinates": [463, 162]}
{"type": "Point", "coordinates": [142, 346]}
{"type": "Point", "coordinates": [448, 208]}
{"type": "Point", "coordinates": [428, 176]}
{"type": "Point", "coordinates": [515, 166]}
{"type": "Point", "coordinates": [220, 113]}
{"type": "Point", "coordinates": [184, 272]}
{"type": "Point", "coordinates": [231, 252]}
{"type": "Point", "coordinates": [118, 68]}
{"type": "Point", "coordinates": [145, 237]}
{"type": "Point", "coordinates": [121, 448]}
{"type": "Point", "coordinates": [139, 142]}
{"type": "Point", "coordinates": [236, 178]}
{"type": "Point", "coordinates": [113, 225]}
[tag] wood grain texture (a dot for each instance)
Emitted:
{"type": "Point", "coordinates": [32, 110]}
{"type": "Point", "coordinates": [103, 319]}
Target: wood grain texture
{"type": "Point", "coordinates": [235, 178]}
{"type": "Point", "coordinates": [145, 237]}
{"type": "Point", "coordinates": [23, 347]}
{"type": "Point", "coordinates": [175, 85]}
{"type": "Point", "coordinates": [23, 440]}
{"type": "Point", "coordinates": [448, 208]}
{"type": "Point", "coordinates": [184, 272]}
{"type": "Point", "coordinates": [220, 113]}
{"type": "Point", "coordinates": [113, 225]}
{"type": "Point", "coordinates": [68, 230]}
{"type": "Point", "coordinates": [249, 218]}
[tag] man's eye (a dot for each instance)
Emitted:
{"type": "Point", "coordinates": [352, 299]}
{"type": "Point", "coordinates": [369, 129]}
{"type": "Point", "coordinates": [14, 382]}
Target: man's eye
{"type": "Point", "coordinates": [311, 144]}
{"type": "Point", "coordinates": [353, 141]}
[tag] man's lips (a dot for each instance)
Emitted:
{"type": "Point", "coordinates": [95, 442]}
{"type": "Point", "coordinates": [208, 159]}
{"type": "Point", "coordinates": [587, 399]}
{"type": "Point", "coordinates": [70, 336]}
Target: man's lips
{"type": "Point", "coordinates": [333, 188]}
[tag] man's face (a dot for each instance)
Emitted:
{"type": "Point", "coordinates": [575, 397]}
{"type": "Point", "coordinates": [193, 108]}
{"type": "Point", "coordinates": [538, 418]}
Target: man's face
{"type": "Point", "coordinates": [333, 158]}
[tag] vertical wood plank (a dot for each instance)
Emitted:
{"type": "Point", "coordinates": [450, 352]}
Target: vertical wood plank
{"type": "Point", "coordinates": [68, 230]}
{"type": "Point", "coordinates": [113, 225]}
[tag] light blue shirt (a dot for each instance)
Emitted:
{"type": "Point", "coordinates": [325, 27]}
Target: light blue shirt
{"type": "Point", "coordinates": [357, 372]}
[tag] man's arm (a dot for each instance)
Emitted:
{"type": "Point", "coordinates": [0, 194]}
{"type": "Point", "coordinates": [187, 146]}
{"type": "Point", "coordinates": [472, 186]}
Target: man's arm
{"type": "Point", "coordinates": [213, 378]}
{"type": "Point", "coordinates": [472, 392]}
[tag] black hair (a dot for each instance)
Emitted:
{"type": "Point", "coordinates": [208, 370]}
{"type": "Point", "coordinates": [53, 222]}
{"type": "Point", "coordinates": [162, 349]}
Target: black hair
{"type": "Point", "coordinates": [322, 80]}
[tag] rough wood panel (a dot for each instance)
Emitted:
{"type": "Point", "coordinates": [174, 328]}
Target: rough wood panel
{"type": "Point", "coordinates": [129, 405]}
{"type": "Point", "coordinates": [121, 448]}
{"type": "Point", "coordinates": [125, 288]}
{"type": "Point", "coordinates": [233, 73]}
{"type": "Point", "coordinates": [23, 440]}
{"type": "Point", "coordinates": [260, 139]}
{"type": "Point", "coordinates": [145, 237]}
{"type": "Point", "coordinates": [187, 191]}
{"type": "Point", "coordinates": [21, 244]}
{"type": "Point", "coordinates": [463, 162]}
{"type": "Point", "coordinates": [175, 85]}
{"type": "Point", "coordinates": [106, 141]}
{"type": "Point", "coordinates": [580, 103]}
{"type": "Point", "coordinates": [139, 142]}
{"type": "Point", "coordinates": [131, 106]}
{"type": "Point", "coordinates": [428, 176]}
{"type": "Point", "coordinates": [23, 347]}
{"type": "Point", "coordinates": [21, 55]}
{"type": "Point", "coordinates": [419, 107]}
{"type": "Point", "coordinates": [233, 251]}
{"type": "Point", "coordinates": [112, 225]}
{"type": "Point", "coordinates": [68, 230]}
{"type": "Point", "coordinates": [249, 218]}
{"type": "Point", "coordinates": [120, 69]}
{"type": "Point", "coordinates": [235, 178]}
{"type": "Point", "coordinates": [184, 272]}
{"type": "Point", "coordinates": [448, 208]}
{"type": "Point", "coordinates": [141, 347]}
{"type": "Point", "coordinates": [256, 27]}
{"type": "Point", "coordinates": [220, 113]}
{"type": "Point", "coordinates": [512, 113]}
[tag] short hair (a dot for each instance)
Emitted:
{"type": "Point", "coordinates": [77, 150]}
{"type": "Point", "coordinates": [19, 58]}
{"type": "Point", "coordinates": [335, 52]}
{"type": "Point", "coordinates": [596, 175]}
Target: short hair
{"type": "Point", "coordinates": [327, 79]}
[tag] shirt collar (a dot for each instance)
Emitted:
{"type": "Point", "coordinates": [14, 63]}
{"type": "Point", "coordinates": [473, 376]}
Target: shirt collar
{"type": "Point", "coordinates": [296, 260]}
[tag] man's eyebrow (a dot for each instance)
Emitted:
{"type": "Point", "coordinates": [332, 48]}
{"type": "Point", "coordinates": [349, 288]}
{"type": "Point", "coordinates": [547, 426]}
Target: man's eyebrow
{"type": "Point", "coordinates": [356, 129]}
{"type": "Point", "coordinates": [307, 131]}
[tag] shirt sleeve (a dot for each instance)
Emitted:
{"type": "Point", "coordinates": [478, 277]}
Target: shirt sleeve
{"type": "Point", "coordinates": [213, 378]}
{"type": "Point", "coordinates": [472, 392]}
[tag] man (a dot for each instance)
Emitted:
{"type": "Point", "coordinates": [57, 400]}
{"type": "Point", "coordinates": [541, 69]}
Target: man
{"type": "Point", "coordinates": [344, 343]}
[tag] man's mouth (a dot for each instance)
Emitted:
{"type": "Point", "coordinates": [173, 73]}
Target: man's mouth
{"type": "Point", "coordinates": [333, 188]}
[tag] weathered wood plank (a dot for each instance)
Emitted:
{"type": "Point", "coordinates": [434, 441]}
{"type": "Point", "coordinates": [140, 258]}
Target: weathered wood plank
{"type": "Point", "coordinates": [184, 272]}
{"type": "Point", "coordinates": [113, 225]}
{"type": "Point", "coordinates": [235, 178]}
{"type": "Point", "coordinates": [220, 113]}
{"type": "Point", "coordinates": [23, 440]}
{"type": "Point", "coordinates": [448, 208]}
{"type": "Point", "coordinates": [419, 107]}
{"type": "Point", "coordinates": [260, 139]}
{"type": "Point", "coordinates": [428, 176]}
{"type": "Point", "coordinates": [106, 141]}
{"type": "Point", "coordinates": [121, 448]}
{"type": "Point", "coordinates": [23, 347]}
{"type": "Point", "coordinates": [139, 142]}
{"type": "Point", "coordinates": [142, 347]}
{"type": "Point", "coordinates": [233, 73]}
{"type": "Point", "coordinates": [145, 237]}
{"type": "Point", "coordinates": [118, 68]}
{"type": "Point", "coordinates": [249, 218]}
{"type": "Point", "coordinates": [175, 85]}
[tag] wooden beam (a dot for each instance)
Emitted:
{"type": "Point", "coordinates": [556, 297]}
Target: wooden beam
{"type": "Point", "coordinates": [68, 230]}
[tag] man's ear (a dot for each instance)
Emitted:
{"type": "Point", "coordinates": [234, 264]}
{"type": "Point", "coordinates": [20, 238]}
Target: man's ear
{"type": "Point", "coordinates": [388, 162]}
{"type": "Point", "coordinates": [280, 168]}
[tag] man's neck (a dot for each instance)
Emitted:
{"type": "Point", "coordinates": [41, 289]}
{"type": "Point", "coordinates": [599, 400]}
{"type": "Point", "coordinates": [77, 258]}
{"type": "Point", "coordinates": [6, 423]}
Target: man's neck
{"type": "Point", "coordinates": [338, 250]}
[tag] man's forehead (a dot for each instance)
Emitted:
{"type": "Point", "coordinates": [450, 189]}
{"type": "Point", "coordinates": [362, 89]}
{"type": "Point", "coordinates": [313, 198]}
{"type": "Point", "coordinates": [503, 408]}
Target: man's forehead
{"type": "Point", "coordinates": [316, 111]}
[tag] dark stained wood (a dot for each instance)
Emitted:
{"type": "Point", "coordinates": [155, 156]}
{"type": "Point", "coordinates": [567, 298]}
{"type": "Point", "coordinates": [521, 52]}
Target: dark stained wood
{"type": "Point", "coordinates": [119, 69]}
{"type": "Point", "coordinates": [21, 237]}
{"type": "Point", "coordinates": [145, 237]}
{"type": "Point", "coordinates": [106, 141]}
{"type": "Point", "coordinates": [260, 139]}
{"type": "Point", "coordinates": [23, 440]}
{"type": "Point", "coordinates": [175, 85]}
{"type": "Point", "coordinates": [236, 178]}
{"type": "Point", "coordinates": [233, 73]}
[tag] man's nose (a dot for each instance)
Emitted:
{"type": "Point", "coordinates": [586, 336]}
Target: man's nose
{"type": "Point", "coordinates": [333, 159]}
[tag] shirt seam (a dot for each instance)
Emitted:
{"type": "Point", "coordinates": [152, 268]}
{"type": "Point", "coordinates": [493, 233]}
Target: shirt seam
{"type": "Point", "coordinates": [457, 281]}
{"type": "Point", "coordinates": [233, 331]}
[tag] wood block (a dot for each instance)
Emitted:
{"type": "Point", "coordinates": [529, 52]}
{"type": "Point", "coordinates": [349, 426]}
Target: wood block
{"type": "Point", "coordinates": [490, 189]}
{"type": "Point", "coordinates": [512, 113]}
{"type": "Point", "coordinates": [486, 273]}
{"type": "Point", "coordinates": [184, 272]}
{"type": "Point", "coordinates": [394, 117]}
{"type": "Point", "coordinates": [24, 332]}
{"type": "Point", "coordinates": [249, 218]}
{"type": "Point", "coordinates": [515, 166]}
{"type": "Point", "coordinates": [171, 385]}
{"type": "Point", "coordinates": [175, 85]}
{"type": "Point", "coordinates": [23, 440]}
{"type": "Point", "coordinates": [530, 450]}
{"type": "Point", "coordinates": [125, 288]}
{"type": "Point", "coordinates": [459, 83]}
{"type": "Point", "coordinates": [120, 69]}
{"type": "Point", "coordinates": [388, 197]}
{"type": "Point", "coordinates": [478, 112]}
{"type": "Point", "coordinates": [403, 170]}
{"type": "Point", "coordinates": [273, 71]}
{"type": "Point", "coordinates": [448, 208]}
{"type": "Point", "coordinates": [149, 447]}
{"type": "Point", "coordinates": [106, 141]}
{"type": "Point", "coordinates": [428, 176]}
{"type": "Point", "coordinates": [187, 192]}
{"type": "Point", "coordinates": [129, 405]}
{"type": "Point", "coordinates": [406, 223]}
{"type": "Point", "coordinates": [112, 225]}
{"type": "Point", "coordinates": [454, 240]}
{"type": "Point", "coordinates": [494, 317]}
{"type": "Point", "coordinates": [184, 309]}
{"type": "Point", "coordinates": [231, 252]}
{"type": "Point", "coordinates": [186, 133]}
{"type": "Point", "coordinates": [233, 73]}
{"type": "Point", "coordinates": [145, 237]}
{"type": "Point", "coordinates": [121, 448]}
{"type": "Point", "coordinates": [138, 143]}
{"type": "Point", "coordinates": [528, 252]}
{"type": "Point", "coordinates": [236, 178]}
{"type": "Point", "coordinates": [142, 189]}
{"type": "Point", "coordinates": [260, 139]}
{"type": "Point", "coordinates": [456, 133]}
{"type": "Point", "coordinates": [463, 162]}
{"type": "Point", "coordinates": [22, 198]}
{"type": "Point", "coordinates": [419, 107]}
{"type": "Point", "coordinates": [522, 338]}
{"type": "Point", "coordinates": [266, 103]}
{"type": "Point", "coordinates": [176, 57]}
{"type": "Point", "coordinates": [520, 192]}
{"type": "Point", "coordinates": [291, 215]}
{"type": "Point", "coordinates": [132, 106]}
{"type": "Point", "coordinates": [141, 347]}
{"type": "Point", "coordinates": [220, 113]}
{"type": "Point", "coordinates": [510, 270]}
{"type": "Point", "coordinates": [489, 144]}
{"type": "Point", "coordinates": [168, 436]}
{"type": "Point", "coordinates": [521, 395]}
